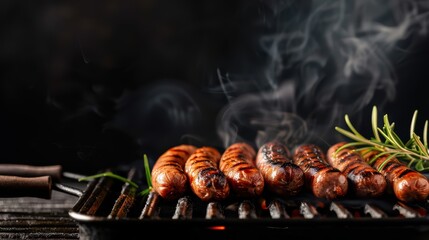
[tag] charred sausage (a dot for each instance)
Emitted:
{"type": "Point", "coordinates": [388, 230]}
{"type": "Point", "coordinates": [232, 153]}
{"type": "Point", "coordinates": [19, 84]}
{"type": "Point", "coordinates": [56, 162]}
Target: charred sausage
{"type": "Point", "coordinates": [281, 175]}
{"type": "Point", "coordinates": [238, 164]}
{"type": "Point", "coordinates": [322, 179]}
{"type": "Point", "coordinates": [365, 180]}
{"type": "Point", "coordinates": [408, 185]}
{"type": "Point", "coordinates": [205, 177]}
{"type": "Point", "coordinates": [169, 178]}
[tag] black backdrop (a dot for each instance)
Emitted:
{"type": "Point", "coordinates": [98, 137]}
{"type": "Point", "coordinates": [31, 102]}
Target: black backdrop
{"type": "Point", "coordinates": [91, 84]}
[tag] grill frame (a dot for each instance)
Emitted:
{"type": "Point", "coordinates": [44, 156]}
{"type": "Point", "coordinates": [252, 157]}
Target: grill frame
{"type": "Point", "coordinates": [97, 228]}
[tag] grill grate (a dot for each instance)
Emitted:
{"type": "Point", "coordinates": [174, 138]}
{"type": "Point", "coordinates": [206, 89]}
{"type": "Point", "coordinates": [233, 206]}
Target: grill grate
{"type": "Point", "coordinates": [108, 204]}
{"type": "Point", "coordinates": [35, 218]}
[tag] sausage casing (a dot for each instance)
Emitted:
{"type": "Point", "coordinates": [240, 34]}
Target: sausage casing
{"type": "Point", "coordinates": [281, 175]}
{"type": "Point", "coordinates": [321, 178]}
{"type": "Point", "coordinates": [406, 184]}
{"type": "Point", "coordinates": [238, 164]}
{"type": "Point", "coordinates": [365, 180]}
{"type": "Point", "coordinates": [205, 177]}
{"type": "Point", "coordinates": [169, 178]}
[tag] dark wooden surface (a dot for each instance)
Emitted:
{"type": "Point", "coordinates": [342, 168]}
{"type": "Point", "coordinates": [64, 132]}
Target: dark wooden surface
{"type": "Point", "coordinates": [37, 218]}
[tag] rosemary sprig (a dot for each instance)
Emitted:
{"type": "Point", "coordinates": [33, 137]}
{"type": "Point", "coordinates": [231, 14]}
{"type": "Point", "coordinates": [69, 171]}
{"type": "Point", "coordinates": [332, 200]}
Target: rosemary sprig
{"type": "Point", "coordinates": [142, 193]}
{"type": "Point", "coordinates": [387, 142]}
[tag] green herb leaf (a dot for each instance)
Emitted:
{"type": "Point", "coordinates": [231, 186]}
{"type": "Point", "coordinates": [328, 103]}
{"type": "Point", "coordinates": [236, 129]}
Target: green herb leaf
{"type": "Point", "coordinates": [116, 176]}
{"type": "Point", "coordinates": [148, 177]}
{"type": "Point", "coordinates": [109, 174]}
{"type": "Point", "coordinates": [425, 134]}
{"type": "Point", "coordinates": [147, 170]}
{"type": "Point", "coordinates": [145, 192]}
{"type": "Point", "coordinates": [413, 124]}
{"type": "Point", "coordinates": [374, 121]}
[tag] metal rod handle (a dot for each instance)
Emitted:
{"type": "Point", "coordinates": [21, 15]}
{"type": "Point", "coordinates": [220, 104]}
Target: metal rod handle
{"type": "Point", "coordinates": [14, 186]}
{"type": "Point", "coordinates": [22, 170]}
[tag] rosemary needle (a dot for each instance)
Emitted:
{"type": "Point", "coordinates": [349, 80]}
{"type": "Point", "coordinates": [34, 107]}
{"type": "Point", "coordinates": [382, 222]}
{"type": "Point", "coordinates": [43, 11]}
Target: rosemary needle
{"type": "Point", "coordinates": [109, 174]}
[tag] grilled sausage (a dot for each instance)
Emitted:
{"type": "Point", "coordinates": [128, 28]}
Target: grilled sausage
{"type": "Point", "coordinates": [322, 179]}
{"type": "Point", "coordinates": [206, 179]}
{"type": "Point", "coordinates": [365, 180]}
{"type": "Point", "coordinates": [238, 164]}
{"type": "Point", "coordinates": [169, 179]}
{"type": "Point", "coordinates": [408, 185]}
{"type": "Point", "coordinates": [281, 175]}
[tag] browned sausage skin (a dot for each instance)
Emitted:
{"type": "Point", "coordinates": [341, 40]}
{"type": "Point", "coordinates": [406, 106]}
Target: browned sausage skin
{"type": "Point", "coordinates": [281, 175]}
{"type": "Point", "coordinates": [406, 184]}
{"type": "Point", "coordinates": [365, 180]}
{"type": "Point", "coordinates": [238, 164]}
{"type": "Point", "coordinates": [169, 179]}
{"type": "Point", "coordinates": [321, 178]}
{"type": "Point", "coordinates": [206, 179]}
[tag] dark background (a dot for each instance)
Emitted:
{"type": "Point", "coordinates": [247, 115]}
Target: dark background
{"type": "Point", "coordinates": [75, 76]}
{"type": "Point", "coordinates": [93, 84]}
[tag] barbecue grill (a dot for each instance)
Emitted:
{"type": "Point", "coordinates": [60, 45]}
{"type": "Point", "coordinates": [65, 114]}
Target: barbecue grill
{"type": "Point", "coordinates": [109, 209]}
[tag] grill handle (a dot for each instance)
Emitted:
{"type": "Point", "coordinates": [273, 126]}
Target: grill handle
{"type": "Point", "coordinates": [22, 170]}
{"type": "Point", "coordinates": [15, 186]}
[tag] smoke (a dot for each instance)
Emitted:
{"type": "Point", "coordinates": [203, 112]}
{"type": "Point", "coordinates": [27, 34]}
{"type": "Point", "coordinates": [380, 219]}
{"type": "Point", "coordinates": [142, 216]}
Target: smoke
{"type": "Point", "coordinates": [324, 59]}
{"type": "Point", "coordinates": [320, 60]}
{"type": "Point", "coordinates": [159, 115]}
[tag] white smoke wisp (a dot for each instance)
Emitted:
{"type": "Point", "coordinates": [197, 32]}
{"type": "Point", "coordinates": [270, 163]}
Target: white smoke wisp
{"type": "Point", "coordinates": [324, 59]}
{"type": "Point", "coordinates": [158, 115]}
{"type": "Point", "coordinates": [261, 118]}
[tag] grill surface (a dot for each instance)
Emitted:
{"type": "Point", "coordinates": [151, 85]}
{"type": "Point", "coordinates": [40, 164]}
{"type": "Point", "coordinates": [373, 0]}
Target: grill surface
{"type": "Point", "coordinates": [35, 218]}
{"type": "Point", "coordinates": [108, 208]}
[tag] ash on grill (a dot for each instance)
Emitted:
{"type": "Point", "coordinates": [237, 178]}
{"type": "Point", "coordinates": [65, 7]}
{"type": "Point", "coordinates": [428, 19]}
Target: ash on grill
{"type": "Point", "coordinates": [108, 203]}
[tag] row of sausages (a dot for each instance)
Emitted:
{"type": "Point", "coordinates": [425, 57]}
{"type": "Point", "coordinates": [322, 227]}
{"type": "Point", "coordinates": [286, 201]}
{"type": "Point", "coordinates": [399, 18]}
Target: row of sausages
{"type": "Point", "coordinates": [244, 172]}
